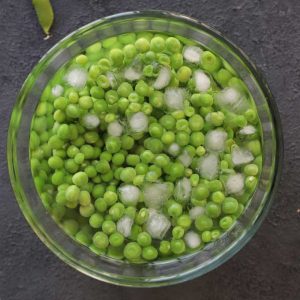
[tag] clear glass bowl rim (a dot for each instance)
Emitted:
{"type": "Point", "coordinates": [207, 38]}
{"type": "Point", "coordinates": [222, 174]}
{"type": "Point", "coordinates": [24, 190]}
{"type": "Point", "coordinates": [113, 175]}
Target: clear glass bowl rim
{"type": "Point", "coordinates": [160, 280]}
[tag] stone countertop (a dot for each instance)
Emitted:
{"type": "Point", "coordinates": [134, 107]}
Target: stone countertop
{"type": "Point", "coordinates": [268, 267]}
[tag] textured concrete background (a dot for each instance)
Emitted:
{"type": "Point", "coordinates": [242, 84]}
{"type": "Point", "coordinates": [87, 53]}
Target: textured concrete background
{"type": "Point", "coordinates": [269, 266]}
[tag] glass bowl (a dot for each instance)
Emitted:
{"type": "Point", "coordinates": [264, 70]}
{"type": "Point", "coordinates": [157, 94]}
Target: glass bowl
{"type": "Point", "coordinates": [157, 273]}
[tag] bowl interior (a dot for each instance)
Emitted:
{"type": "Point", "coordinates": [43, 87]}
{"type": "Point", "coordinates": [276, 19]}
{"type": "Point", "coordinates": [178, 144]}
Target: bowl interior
{"type": "Point", "coordinates": [80, 257]}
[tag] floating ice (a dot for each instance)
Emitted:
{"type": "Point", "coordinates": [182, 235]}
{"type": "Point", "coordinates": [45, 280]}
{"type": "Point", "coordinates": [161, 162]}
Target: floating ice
{"type": "Point", "coordinates": [202, 81]}
{"type": "Point", "coordinates": [163, 78]}
{"type": "Point", "coordinates": [232, 100]}
{"type": "Point", "coordinates": [156, 194]}
{"type": "Point", "coordinates": [115, 128]}
{"type": "Point", "coordinates": [157, 225]}
{"type": "Point", "coordinates": [192, 54]}
{"type": "Point", "coordinates": [174, 149]}
{"type": "Point", "coordinates": [124, 226]}
{"type": "Point", "coordinates": [134, 71]}
{"type": "Point", "coordinates": [138, 122]}
{"type": "Point", "coordinates": [112, 79]}
{"type": "Point", "coordinates": [247, 130]}
{"type": "Point", "coordinates": [129, 194]}
{"type": "Point", "coordinates": [234, 183]}
{"type": "Point", "coordinates": [215, 140]}
{"type": "Point", "coordinates": [90, 121]}
{"type": "Point", "coordinates": [196, 212]}
{"type": "Point", "coordinates": [174, 98]}
{"type": "Point", "coordinates": [208, 166]}
{"type": "Point", "coordinates": [57, 90]}
{"type": "Point", "coordinates": [185, 158]}
{"type": "Point", "coordinates": [77, 78]}
{"type": "Point", "coordinates": [132, 74]}
{"type": "Point", "coordinates": [240, 156]}
{"type": "Point", "coordinates": [183, 189]}
{"type": "Point", "coordinates": [192, 239]}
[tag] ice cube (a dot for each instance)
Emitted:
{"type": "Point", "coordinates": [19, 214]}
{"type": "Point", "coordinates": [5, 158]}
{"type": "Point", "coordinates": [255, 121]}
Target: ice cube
{"type": "Point", "coordinates": [235, 183]}
{"type": "Point", "coordinates": [192, 239]}
{"type": "Point", "coordinates": [112, 79]}
{"type": "Point", "coordinates": [174, 149]}
{"type": "Point", "coordinates": [247, 130]}
{"type": "Point", "coordinates": [157, 225]}
{"type": "Point", "coordinates": [183, 189]}
{"type": "Point", "coordinates": [202, 81]}
{"type": "Point", "coordinates": [185, 158]}
{"type": "Point", "coordinates": [208, 166]}
{"type": "Point", "coordinates": [77, 78]}
{"type": "Point", "coordinates": [90, 121]}
{"type": "Point", "coordinates": [240, 156]}
{"type": "Point", "coordinates": [138, 122]}
{"type": "Point", "coordinates": [174, 98]}
{"type": "Point", "coordinates": [163, 78]}
{"type": "Point", "coordinates": [156, 194]}
{"type": "Point", "coordinates": [232, 100]}
{"type": "Point", "coordinates": [196, 211]}
{"type": "Point", "coordinates": [131, 74]}
{"type": "Point", "coordinates": [115, 128]}
{"type": "Point", "coordinates": [124, 226]}
{"type": "Point", "coordinates": [57, 90]}
{"type": "Point", "coordinates": [134, 71]}
{"type": "Point", "coordinates": [129, 194]}
{"type": "Point", "coordinates": [215, 140]}
{"type": "Point", "coordinates": [192, 54]}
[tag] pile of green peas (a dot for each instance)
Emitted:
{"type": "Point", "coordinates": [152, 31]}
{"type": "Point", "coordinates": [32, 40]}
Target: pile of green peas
{"type": "Point", "coordinates": [78, 170]}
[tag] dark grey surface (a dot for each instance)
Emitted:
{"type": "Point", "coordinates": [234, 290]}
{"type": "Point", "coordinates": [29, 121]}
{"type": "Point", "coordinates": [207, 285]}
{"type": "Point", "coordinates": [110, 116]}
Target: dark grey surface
{"type": "Point", "coordinates": [269, 266]}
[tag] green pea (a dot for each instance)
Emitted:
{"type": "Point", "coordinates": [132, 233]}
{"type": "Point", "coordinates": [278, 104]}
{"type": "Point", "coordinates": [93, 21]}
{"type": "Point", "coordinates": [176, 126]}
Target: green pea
{"type": "Point", "coordinates": [184, 73]}
{"type": "Point", "coordinates": [217, 197]}
{"type": "Point", "coordinates": [213, 210]}
{"type": "Point", "coordinates": [83, 238]}
{"type": "Point", "coordinates": [142, 45]}
{"type": "Point", "coordinates": [100, 240]}
{"type": "Point", "coordinates": [226, 222]}
{"type": "Point", "coordinates": [206, 236]}
{"type": "Point", "coordinates": [142, 216]}
{"type": "Point", "coordinates": [116, 56]}
{"type": "Point", "coordinates": [201, 192]}
{"type": "Point", "coordinates": [149, 253]}
{"type": "Point", "coordinates": [101, 205]}
{"type": "Point", "coordinates": [144, 239]}
{"type": "Point", "coordinates": [230, 205]}
{"type": "Point", "coordinates": [110, 197]}
{"type": "Point", "coordinates": [203, 223]}
{"type": "Point", "coordinates": [210, 62]}
{"type": "Point", "coordinates": [177, 246]}
{"type": "Point", "coordinates": [116, 239]}
{"type": "Point", "coordinates": [127, 174]}
{"type": "Point", "coordinates": [157, 44]}
{"type": "Point", "coordinates": [96, 220]}
{"type": "Point", "coordinates": [70, 227]}
{"type": "Point", "coordinates": [87, 211]}
{"type": "Point", "coordinates": [165, 248]}
{"type": "Point", "coordinates": [132, 251]}
{"type": "Point", "coordinates": [251, 170]}
{"type": "Point", "coordinates": [177, 232]}
{"type": "Point", "coordinates": [173, 44]}
{"type": "Point", "coordinates": [108, 227]}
